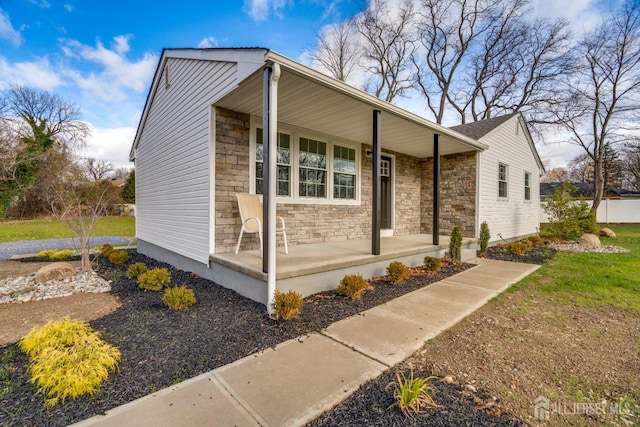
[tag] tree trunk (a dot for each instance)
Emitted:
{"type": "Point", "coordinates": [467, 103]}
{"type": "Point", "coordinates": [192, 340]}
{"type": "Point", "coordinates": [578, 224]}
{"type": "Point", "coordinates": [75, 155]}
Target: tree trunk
{"type": "Point", "coordinates": [598, 184]}
{"type": "Point", "coordinates": [86, 257]}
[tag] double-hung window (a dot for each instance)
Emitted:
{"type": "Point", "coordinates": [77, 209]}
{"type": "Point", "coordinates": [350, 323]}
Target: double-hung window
{"type": "Point", "coordinates": [283, 178]}
{"type": "Point", "coordinates": [344, 172]}
{"type": "Point", "coordinates": [527, 186]}
{"type": "Point", "coordinates": [502, 180]}
{"type": "Point", "coordinates": [312, 164]}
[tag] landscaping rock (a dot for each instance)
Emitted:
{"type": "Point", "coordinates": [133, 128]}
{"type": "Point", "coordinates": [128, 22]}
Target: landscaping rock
{"type": "Point", "coordinates": [55, 271]}
{"type": "Point", "coordinates": [607, 232]}
{"type": "Point", "coordinates": [590, 240]}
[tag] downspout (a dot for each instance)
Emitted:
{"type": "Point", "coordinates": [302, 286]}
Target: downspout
{"type": "Point", "coordinates": [270, 141]}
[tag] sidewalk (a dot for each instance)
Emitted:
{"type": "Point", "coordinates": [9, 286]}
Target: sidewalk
{"type": "Point", "coordinates": [296, 381]}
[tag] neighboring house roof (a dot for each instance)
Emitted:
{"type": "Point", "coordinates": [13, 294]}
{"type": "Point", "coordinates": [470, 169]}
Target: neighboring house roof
{"type": "Point", "coordinates": [337, 108]}
{"type": "Point", "coordinates": [478, 130]}
{"type": "Point", "coordinates": [585, 190]}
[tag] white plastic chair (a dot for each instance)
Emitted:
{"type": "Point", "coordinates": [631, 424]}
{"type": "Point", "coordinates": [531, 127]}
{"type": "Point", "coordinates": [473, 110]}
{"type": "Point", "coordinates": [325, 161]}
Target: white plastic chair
{"type": "Point", "coordinates": [251, 217]}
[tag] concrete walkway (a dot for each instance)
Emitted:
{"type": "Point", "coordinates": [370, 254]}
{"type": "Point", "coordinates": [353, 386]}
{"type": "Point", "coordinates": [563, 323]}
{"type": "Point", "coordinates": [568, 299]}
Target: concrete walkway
{"type": "Point", "coordinates": [296, 381]}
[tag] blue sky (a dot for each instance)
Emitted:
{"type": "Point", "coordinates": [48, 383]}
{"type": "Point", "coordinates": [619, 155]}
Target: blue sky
{"type": "Point", "coordinates": [102, 55]}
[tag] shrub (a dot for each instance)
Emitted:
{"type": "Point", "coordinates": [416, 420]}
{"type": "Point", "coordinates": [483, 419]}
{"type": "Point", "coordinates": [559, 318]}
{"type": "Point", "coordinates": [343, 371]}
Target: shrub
{"type": "Point", "coordinates": [179, 298]}
{"type": "Point", "coordinates": [105, 250]}
{"type": "Point", "coordinates": [154, 279]}
{"type": "Point", "coordinates": [536, 241]}
{"type": "Point", "coordinates": [45, 254]}
{"type": "Point", "coordinates": [517, 248]}
{"type": "Point", "coordinates": [62, 255]}
{"type": "Point", "coordinates": [136, 269]}
{"type": "Point", "coordinates": [455, 244]}
{"type": "Point", "coordinates": [398, 272]}
{"type": "Point", "coordinates": [484, 237]}
{"type": "Point", "coordinates": [287, 305]}
{"type": "Point", "coordinates": [412, 394]}
{"type": "Point", "coordinates": [569, 218]}
{"type": "Point", "coordinates": [118, 257]}
{"type": "Point", "coordinates": [353, 286]}
{"type": "Point", "coordinates": [68, 359]}
{"type": "Point", "coordinates": [432, 263]}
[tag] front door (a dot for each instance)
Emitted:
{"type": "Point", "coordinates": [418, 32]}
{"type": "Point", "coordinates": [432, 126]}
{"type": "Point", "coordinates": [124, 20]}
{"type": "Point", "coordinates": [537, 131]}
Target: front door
{"type": "Point", "coordinates": [386, 193]}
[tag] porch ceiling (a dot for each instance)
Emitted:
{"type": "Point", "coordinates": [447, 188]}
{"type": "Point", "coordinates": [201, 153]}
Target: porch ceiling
{"type": "Point", "coordinates": [331, 107]}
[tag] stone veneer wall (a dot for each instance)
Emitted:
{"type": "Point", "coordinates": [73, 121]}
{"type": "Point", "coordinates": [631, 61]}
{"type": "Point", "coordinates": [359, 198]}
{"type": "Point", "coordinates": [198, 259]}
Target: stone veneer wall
{"type": "Point", "coordinates": [457, 193]}
{"type": "Point", "coordinates": [316, 223]}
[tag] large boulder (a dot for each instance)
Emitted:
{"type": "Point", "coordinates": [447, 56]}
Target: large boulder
{"type": "Point", "coordinates": [589, 240]}
{"type": "Point", "coordinates": [607, 232]}
{"type": "Point", "coordinates": [55, 271]}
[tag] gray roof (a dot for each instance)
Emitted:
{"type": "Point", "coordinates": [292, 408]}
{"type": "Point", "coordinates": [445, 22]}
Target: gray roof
{"type": "Point", "coordinates": [477, 130]}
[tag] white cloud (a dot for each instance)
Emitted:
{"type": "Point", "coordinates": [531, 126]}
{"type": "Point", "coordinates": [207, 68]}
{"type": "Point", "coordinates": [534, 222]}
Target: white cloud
{"type": "Point", "coordinates": [44, 4]}
{"type": "Point", "coordinates": [7, 31]}
{"type": "Point", "coordinates": [259, 10]}
{"type": "Point", "coordinates": [208, 42]}
{"type": "Point", "coordinates": [110, 144]}
{"type": "Point", "coordinates": [582, 14]}
{"type": "Point", "coordinates": [38, 74]}
{"type": "Point", "coordinates": [117, 76]}
{"type": "Point", "coordinates": [69, 7]}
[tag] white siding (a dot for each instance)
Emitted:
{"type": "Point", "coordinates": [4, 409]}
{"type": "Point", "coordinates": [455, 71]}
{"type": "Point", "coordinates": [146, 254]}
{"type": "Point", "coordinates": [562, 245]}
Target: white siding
{"type": "Point", "coordinates": [512, 216]}
{"type": "Point", "coordinates": [172, 158]}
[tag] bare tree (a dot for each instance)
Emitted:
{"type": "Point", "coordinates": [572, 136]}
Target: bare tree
{"type": "Point", "coordinates": [389, 42]}
{"type": "Point", "coordinates": [606, 90]}
{"type": "Point", "coordinates": [632, 165]}
{"type": "Point", "coordinates": [338, 50]}
{"type": "Point", "coordinates": [581, 169]}
{"type": "Point", "coordinates": [555, 175]}
{"type": "Point", "coordinates": [98, 170]}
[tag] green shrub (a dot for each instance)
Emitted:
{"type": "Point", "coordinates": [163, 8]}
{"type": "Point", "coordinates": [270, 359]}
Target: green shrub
{"type": "Point", "coordinates": [136, 269]}
{"type": "Point", "coordinates": [455, 244]}
{"type": "Point", "coordinates": [154, 279]}
{"type": "Point", "coordinates": [118, 257]}
{"type": "Point", "coordinates": [536, 241]}
{"type": "Point", "coordinates": [398, 272]}
{"type": "Point", "coordinates": [179, 298]}
{"type": "Point", "coordinates": [517, 248]}
{"type": "Point", "coordinates": [569, 218]}
{"type": "Point", "coordinates": [46, 254]}
{"type": "Point", "coordinates": [412, 395]}
{"type": "Point", "coordinates": [287, 304]}
{"type": "Point", "coordinates": [353, 286]}
{"type": "Point", "coordinates": [432, 263]}
{"type": "Point", "coordinates": [62, 255]}
{"type": "Point", "coordinates": [68, 359]}
{"type": "Point", "coordinates": [484, 237]}
{"type": "Point", "coordinates": [105, 250]}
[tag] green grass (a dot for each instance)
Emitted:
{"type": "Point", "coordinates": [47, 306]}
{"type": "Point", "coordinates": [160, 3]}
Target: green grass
{"type": "Point", "coordinates": [593, 279]}
{"type": "Point", "coordinates": [11, 231]}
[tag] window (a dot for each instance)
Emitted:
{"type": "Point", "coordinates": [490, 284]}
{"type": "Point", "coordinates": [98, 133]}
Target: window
{"type": "Point", "coordinates": [344, 172]}
{"type": "Point", "coordinates": [502, 180]}
{"type": "Point", "coordinates": [527, 186]}
{"type": "Point", "coordinates": [283, 160]}
{"type": "Point", "coordinates": [312, 161]}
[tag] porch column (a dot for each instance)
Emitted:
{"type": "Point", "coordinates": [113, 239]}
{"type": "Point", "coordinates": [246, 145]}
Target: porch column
{"type": "Point", "coordinates": [436, 189]}
{"type": "Point", "coordinates": [269, 171]}
{"type": "Point", "coordinates": [376, 205]}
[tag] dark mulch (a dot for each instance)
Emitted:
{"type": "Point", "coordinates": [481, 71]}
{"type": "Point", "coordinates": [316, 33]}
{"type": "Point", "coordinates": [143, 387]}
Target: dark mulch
{"type": "Point", "coordinates": [369, 406]}
{"type": "Point", "coordinates": [536, 255]}
{"type": "Point", "coordinates": [161, 347]}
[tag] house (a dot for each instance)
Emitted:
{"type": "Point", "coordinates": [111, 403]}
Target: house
{"type": "Point", "coordinates": [360, 182]}
{"type": "Point", "coordinates": [585, 190]}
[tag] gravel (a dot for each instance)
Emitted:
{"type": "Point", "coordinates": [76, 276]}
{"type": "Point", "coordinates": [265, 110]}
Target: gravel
{"type": "Point", "coordinates": [161, 347]}
{"type": "Point", "coordinates": [22, 247]}
{"type": "Point", "coordinates": [25, 289]}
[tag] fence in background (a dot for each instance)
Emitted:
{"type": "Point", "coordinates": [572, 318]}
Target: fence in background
{"type": "Point", "coordinates": [611, 211]}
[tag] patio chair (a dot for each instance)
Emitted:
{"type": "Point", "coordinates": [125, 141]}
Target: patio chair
{"type": "Point", "coordinates": [251, 217]}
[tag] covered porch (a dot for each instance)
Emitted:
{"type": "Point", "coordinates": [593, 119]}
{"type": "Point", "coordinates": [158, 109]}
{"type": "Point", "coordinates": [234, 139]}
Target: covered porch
{"type": "Point", "coordinates": [317, 267]}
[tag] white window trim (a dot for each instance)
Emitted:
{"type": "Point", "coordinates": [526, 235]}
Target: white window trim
{"type": "Point", "coordinates": [506, 180]}
{"type": "Point", "coordinates": [296, 133]}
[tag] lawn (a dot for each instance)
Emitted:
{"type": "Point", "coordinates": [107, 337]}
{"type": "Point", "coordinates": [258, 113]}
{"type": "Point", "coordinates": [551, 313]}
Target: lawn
{"type": "Point", "coordinates": [11, 231]}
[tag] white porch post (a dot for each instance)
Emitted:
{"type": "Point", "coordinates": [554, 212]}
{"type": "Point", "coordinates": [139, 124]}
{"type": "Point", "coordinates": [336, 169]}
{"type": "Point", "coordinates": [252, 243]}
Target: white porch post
{"type": "Point", "coordinates": [270, 144]}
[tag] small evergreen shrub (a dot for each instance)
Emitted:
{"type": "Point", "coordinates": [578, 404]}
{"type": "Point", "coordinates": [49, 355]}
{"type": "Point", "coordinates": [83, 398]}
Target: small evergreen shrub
{"type": "Point", "coordinates": [517, 248]}
{"type": "Point", "coordinates": [569, 218]}
{"type": "Point", "coordinates": [154, 279]}
{"type": "Point", "coordinates": [485, 236]}
{"type": "Point", "coordinates": [118, 257]}
{"type": "Point", "coordinates": [179, 298]}
{"type": "Point", "coordinates": [412, 395]}
{"type": "Point", "coordinates": [398, 272]}
{"type": "Point", "coordinates": [455, 244]}
{"type": "Point", "coordinates": [105, 250]}
{"type": "Point", "coordinates": [46, 254]}
{"type": "Point", "coordinates": [536, 241]}
{"type": "Point", "coordinates": [287, 304]}
{"type": "Point", "coordinates": [432, 263]}
{"type": "Point", "coordinates": [136, 269]}
{"type": "Point", "coordinates": [62, 255]}
{"type": "Point", "coordinates": [353, 286]}
{"type": "Point", "coordinates": [68, 359]}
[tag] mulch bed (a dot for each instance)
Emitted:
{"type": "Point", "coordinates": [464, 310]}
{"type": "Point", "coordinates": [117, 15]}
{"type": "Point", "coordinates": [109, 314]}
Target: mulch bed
{"type": "Point", "coordinates": [161, 347]}
{"type": "Point", "coordinates": [535, 255]}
